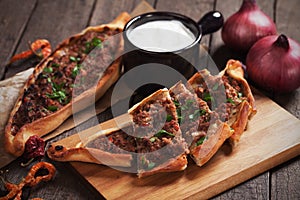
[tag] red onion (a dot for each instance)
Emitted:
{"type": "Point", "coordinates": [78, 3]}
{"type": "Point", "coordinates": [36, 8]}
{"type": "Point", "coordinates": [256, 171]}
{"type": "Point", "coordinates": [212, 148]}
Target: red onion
{"type": "Point", "coordinates": [245, 27]}
{"type": "Point", "coordinates": [273, 63]}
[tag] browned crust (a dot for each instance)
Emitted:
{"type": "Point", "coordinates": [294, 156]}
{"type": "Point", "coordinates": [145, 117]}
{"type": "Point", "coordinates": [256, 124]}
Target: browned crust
{"type": "Point", "coordinates": [240, 124]}
{"type": "Point", "coordinates": [90, 155]}
{"type": "Point", "coordinates": [15, 144]}
{"type": "Point", "coordinates": [235, 70]}
{"type": "Point", "coordinates": [175, 164]}
{"type": "Point", "coordinates": [198, 78]}
{"type": "Point", "coordinates": [63, 151]}
{"type": "Point", "coordinates": [203, 153]}
{"type": "Point", "coordinates": [247, 108]}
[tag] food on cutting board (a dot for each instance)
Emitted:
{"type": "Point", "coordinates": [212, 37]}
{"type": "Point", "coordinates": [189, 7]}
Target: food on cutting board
{"type": "Point", "coordinates": [195, 118]}
{"type": "Point", "coordinates": [67, 81]}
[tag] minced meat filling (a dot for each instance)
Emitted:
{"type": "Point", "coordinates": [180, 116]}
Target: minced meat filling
{"type": "Point", "coordinates": [74, 69]}
{"type": "Point", "coordinates": [158, 134]}
{"type": "Point", "coordinates": [117, 142]}
{"type": "Point", "coordinates": [214, 94]}
{"type": "Point", "coordinates": [151, 117]}
{"type": "Point", "coordinates": [195, 115]}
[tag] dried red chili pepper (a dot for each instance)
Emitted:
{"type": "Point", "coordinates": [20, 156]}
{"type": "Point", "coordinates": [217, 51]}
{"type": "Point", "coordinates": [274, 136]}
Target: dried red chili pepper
{"type": "Point", "coordinates": [34, 148]}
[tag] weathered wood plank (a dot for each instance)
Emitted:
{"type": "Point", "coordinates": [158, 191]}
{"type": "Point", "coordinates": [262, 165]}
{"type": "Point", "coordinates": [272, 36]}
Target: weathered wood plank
{"type": "Point", "coordinates": [106, 10]}
{"type": "Point", "coordinates": [194, 9]}
{"type": "Point", "coordinates": [55, 21]}
{"type": "Point", "coordinates": [218, 50]}
{"type": "Point", "coordinates": [13, 19]}
{"type": "Point", "coordinates": [101, 15]}
{"type": "Point", "coordinates": [246, 189]}
{"type": "Point", "coordinates": [287, 18]}
{"type": "Point", "coordinates": [285, 178]}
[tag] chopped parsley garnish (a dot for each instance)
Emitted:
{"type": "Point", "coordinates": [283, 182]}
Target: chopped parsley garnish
{"type": "Point", "coordinates": [197, 114]}
{"type": "Point", "coordinates": [55, 65]}
{"type": "Point", "coordinates": [169, 118]}
{"type": "Point", "coordinates": [178, 111]}
{"type": "Point", "coordinates": [215, 87]}
{"type": "Point", "coordinates": [57, 92]}
{"type": "Point", "coordinates": [59, 95]}
{"type": "Point", "coordinates": [57, 87]}
{"type": "Point", "coordinates": [74, 59]}
{"type": "Point", "coordinates": [48, 69]}
{"type": "Point", "coordinates": [229, 100]}
{"type": "Point", "coordinates": [95, 42]}
{"type": "Point", "coordinates": [187, 104]}
{"type": "Point", "coordinates": [76, 70]}
{"type": "Point", "coordinates": [151, 165]}
{"type": "Point", "coordinates": [52, 108]}
{"type": "Point", "coordinates": [200, 141]}
{"type": "Point", "coordinates": [147, 163]}
{"type": "Point", "coordinates": [176, 103]}
{"type": "Point", "coordinates": [163, 132]}
{"type": "Point", "coordinates": [207, 97]}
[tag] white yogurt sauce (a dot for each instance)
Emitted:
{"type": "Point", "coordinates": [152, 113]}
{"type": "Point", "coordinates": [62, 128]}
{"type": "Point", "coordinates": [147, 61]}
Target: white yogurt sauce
{"type": "Point", "coordinates": [161, 36]}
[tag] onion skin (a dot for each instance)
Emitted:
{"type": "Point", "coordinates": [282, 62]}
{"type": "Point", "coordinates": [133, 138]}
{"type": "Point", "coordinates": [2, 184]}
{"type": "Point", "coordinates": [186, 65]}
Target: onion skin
{"type": "Point", "coordinates": [273, 64]}
{"type": "Point", "coordinates": [242, 29]}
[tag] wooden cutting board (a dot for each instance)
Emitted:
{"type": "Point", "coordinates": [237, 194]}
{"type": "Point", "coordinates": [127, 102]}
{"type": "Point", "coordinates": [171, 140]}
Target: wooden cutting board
{"type": "Point", "coordinates": [272, 137]}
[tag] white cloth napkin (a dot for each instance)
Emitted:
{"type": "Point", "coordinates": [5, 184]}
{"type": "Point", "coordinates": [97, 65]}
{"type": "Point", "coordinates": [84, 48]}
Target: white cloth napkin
{"type": "Point", "coordinates": [9, 92]}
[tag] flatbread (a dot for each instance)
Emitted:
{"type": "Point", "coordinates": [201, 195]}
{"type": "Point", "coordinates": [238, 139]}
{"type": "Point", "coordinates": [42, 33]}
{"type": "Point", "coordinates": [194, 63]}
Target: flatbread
{"type": "Point", "coordinates": [55, 82]}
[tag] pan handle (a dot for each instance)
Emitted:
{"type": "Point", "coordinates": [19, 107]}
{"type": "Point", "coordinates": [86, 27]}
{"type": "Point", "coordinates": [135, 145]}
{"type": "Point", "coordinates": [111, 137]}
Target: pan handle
{"type": "Point", "coordinates": [211, 22]}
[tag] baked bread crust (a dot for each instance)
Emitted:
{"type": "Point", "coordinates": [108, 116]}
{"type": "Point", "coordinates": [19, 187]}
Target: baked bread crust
{"type": "Point", "coordinates": [81, 153]}
{"type": "Point", "coordinates": [15, 143]}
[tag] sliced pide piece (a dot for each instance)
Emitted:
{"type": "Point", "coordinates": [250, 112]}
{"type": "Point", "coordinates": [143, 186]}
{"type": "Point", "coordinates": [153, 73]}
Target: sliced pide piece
{"type": "Point", "coordinates": [200, 126]}
{"type": "Point", "coordinates": [112, 147]}
{"type": "Point", "coordinates": [228, 94]}
{"type": "Point", "coordinates": [73, 77]}
{"type": "Point", "coordinates": [160, 146]}
{"type": "Point", "coordinates": [242, 98]}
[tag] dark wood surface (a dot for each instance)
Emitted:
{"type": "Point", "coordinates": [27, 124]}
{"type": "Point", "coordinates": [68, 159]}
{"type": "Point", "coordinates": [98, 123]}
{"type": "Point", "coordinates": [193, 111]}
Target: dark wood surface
{"type": "Point", "coordinates": [55, 20]}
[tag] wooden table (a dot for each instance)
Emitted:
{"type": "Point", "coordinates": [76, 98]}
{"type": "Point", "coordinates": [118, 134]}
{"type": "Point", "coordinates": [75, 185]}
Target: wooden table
{"type": "Point", "coordinates": [23, 21]}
